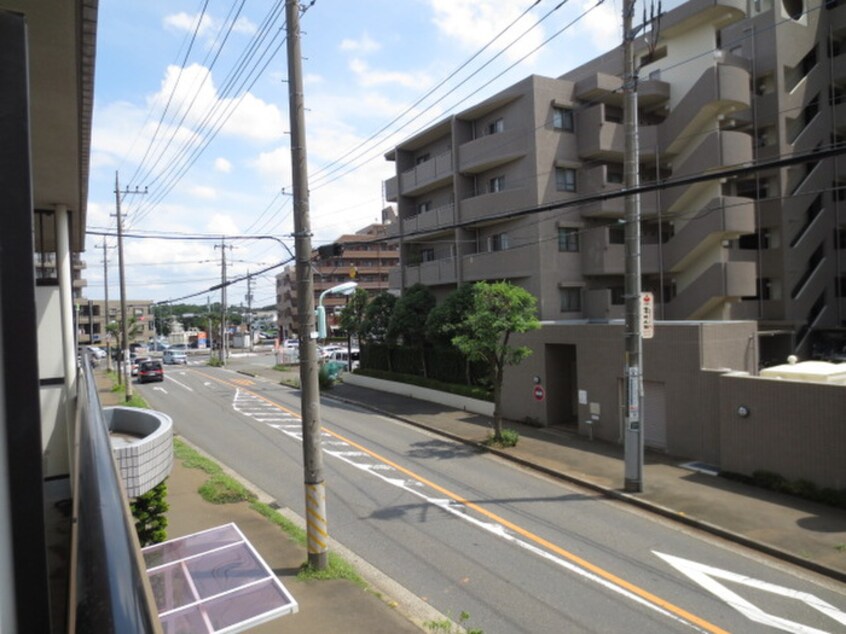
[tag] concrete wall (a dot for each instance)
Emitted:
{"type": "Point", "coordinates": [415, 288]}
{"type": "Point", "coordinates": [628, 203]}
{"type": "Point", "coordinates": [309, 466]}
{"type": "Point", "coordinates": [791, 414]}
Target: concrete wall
{"type": "Point", "coordinates": [792, 428]}
{"type": "Point", "coordinates": [688, 421]}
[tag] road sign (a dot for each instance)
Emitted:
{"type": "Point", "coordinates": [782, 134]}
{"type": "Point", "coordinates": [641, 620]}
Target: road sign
{"type": "Point", "coordinates": [538, 393]}
{"type": "Point", "coordinates": [647, 313]}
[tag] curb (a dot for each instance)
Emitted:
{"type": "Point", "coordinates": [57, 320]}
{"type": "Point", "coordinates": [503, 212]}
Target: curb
{"type": "Point", "coordinates": [614, 494]}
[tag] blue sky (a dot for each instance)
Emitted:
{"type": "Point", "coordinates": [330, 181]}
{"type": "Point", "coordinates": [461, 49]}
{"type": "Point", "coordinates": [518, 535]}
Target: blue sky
{"type": "Point", "coordinates": [366, 64]}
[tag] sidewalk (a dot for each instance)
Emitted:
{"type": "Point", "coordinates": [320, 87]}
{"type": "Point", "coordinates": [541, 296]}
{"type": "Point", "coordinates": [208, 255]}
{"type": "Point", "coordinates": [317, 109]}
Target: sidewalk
{"type": "Point", "coordinates": [324, 606]}
{"type": "Point", "coordinates": [804, 533]}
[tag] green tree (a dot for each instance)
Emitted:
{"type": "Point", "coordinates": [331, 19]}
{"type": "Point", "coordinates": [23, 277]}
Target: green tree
{"type": "Point", "coordinates": [353, 314]}
{"type": "Point", "coordinates": [499, 310]}
{"type": "Point", "coordinates": [408, 321]}
{"type": "Point", "coordinates": [377, 316]}
{"type": "Point", "coordinates": [444, 320]}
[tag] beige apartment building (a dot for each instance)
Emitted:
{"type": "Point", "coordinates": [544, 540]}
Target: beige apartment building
{"type": "Point", "coordinates": [91, 319]}
{"type": "Point", "coordinates": [726, 83]}
{"type": "Point", "coordinates": [364, 257]}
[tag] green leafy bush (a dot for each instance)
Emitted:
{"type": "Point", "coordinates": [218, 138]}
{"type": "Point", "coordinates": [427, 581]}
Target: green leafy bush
{"type": "Point", "coordinates": [149, 512]}
{"type": "Point", "coordinates": [462, 390]}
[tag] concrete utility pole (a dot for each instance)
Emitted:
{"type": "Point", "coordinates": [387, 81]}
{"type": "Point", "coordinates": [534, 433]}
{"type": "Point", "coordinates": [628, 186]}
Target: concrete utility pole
{"type": "Point", "coordinates": [315, 493]}
{"type": "Point", "coordinates": [250, 311]}
{"type": "Point", "coordinates": [222, 246]}
{"type": "Point", "coordinates": [106, 334]}
{"type": "Point", "coordinates": [127, 366]}
{"type": "Point", "coordinates": [634, 432]}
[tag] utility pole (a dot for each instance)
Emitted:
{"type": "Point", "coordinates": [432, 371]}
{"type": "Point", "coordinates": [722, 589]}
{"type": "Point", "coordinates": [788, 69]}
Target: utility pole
{"type": "Point", "coordinates": [106, 333]}
{"type": "Point", "coordinates": [209, 334]}
{"type": "Point", "coordinates": [315, 492]}
{"type": "Point", "coordinates": [250, 310]}
{"type": "Point", "coordinates": [634, 420]}
{"type": "Point", "coordinates": [127, 367]}
{"type": "Point", "coordinates": [222, 246]}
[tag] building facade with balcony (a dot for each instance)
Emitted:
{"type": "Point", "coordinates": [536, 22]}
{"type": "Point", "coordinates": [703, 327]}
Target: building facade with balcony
{"type": "Point", "coordinates": [92, 319]}
{"type": "Point", "coordinates": [364, 257]}
{"type": "Point", "coordinates": [724, 83]}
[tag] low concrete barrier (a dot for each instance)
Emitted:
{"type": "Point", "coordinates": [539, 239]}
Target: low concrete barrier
{"type": "Point", "coordinates": [142, 444]}
{"type": "Point", "coordinates": [476, 406]}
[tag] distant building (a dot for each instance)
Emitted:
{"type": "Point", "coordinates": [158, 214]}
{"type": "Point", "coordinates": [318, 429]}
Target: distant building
{"type": "Point", "coordinates": [91, 319]}
{"type": "Point", "coordinates": [364, 257]}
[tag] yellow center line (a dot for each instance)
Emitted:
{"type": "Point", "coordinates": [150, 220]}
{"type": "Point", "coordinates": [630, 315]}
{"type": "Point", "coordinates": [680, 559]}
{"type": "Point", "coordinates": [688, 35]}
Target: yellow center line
{"type": "Point", "coordinates": [537, 539]}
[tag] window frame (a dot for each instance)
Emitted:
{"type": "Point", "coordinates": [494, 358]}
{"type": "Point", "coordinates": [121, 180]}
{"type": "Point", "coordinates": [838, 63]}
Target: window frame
{"type": "Point", "coordinates": [568, 239]}
{"type": "Point", "coordinates": [565, 185]}
{"type": "Point", "coordinates": [570, 292]}
{"type": "Point", "coordinates": [563, 119]}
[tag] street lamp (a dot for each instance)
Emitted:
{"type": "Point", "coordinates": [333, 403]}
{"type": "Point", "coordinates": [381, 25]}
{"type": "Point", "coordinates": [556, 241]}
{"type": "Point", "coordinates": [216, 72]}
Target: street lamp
{"type": "Point", "coordinates": [341, 289]}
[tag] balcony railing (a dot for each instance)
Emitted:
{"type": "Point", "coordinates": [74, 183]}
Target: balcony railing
{"type": "Point", "coordinates": [110, 591]}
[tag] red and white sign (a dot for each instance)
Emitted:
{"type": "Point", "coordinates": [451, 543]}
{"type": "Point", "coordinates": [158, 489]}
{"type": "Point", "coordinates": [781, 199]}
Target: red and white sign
{"type": "Point", "coordinates": [647, 315]}
{"type": "Point", "coordinates": [538, 392]}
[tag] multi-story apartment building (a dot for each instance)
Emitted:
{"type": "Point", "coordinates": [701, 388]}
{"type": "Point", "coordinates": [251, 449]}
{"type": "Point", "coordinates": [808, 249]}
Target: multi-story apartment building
{"type": "Point", "coordinates": [363, 257]}
{"type": "Point", "coordinates": [91, 319]}
{"type": "Point", "coordinates": [722, 83]}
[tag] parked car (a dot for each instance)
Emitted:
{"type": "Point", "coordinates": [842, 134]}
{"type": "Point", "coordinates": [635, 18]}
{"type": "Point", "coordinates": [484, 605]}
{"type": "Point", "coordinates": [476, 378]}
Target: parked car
{"type": "Point", "coordinates": [181, 347]}
{"type": "Point", "coordinates": [324, 352]}
{"type": "Point", "coordinates": [341, 356]}
{"type": "Point", "coordinates": [150, 370]}
{"type": "Point", "coordinates": [160, 346]}
{"type": "Point", "coordinates": [173, 356]}
{"type": "Point", "coordinates": [133, 364]}
{"type": "Point", "coordinates": [96, 352]}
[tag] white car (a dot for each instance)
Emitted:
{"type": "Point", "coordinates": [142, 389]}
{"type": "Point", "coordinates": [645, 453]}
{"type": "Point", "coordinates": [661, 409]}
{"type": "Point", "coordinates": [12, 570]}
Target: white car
{"type": "Point", "coordinates": [174, 357]}
{"type": "Point", "coordinates": [96, 352]}
{"type": "Point", "coordinates": [341, 356]}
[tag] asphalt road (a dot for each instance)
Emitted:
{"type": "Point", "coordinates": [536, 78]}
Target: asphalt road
{"type": "Point", "coordinates": [469, 532]}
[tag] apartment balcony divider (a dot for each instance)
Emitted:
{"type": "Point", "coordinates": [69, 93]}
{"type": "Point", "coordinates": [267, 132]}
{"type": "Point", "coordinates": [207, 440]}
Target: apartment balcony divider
{"type": "Point", "coordinates": [440, 218]}
{"type": "Point", "coordinates": [491, 150]}
{"type": "Point", "coordinates": [428, 175]}
{"type": "Point", "coordinates": [498, 265]}
{"type": "Point", "coordinates": [600, 139]}
{"type": "Point", "coordinates": [595, 180]}
{"type": "Point", "coordinates": [601, 257]}
{"type": "Point", "coordinates": [392, 189]}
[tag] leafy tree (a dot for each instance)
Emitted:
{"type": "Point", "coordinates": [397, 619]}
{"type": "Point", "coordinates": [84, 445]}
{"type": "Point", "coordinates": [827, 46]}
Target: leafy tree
{"type": "Point", "coordinates": [499, 309]}
{"type": "Point", "coordinates": [377, 316]}
{"type": "Point", "coordinates": [353, 314]}
{"type": "Point", "coordinates": [408, 321]}
{"type": "Point", "coordinates": [444, 320]}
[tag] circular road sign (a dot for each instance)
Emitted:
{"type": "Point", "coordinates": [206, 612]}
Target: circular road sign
{"type": "Point", "coordinates": [537, 391]}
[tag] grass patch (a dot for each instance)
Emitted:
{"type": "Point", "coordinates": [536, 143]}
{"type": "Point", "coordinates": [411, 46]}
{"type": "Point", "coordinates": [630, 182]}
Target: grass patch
{"type": "Point", "coordinates": [841, 548]}
{"type": "Point", "coordinates": [509, 438]}
{"type": "Point", "coordinates": [214, 362]}
{"type": "Point", "coordinates": [448, 627]}
{"type": "Point", "coordinates": [137, 401]}
{"type": "Point", "coordinates": [194, 460]}
{"type": "Point", "coordinates": [224, 489]}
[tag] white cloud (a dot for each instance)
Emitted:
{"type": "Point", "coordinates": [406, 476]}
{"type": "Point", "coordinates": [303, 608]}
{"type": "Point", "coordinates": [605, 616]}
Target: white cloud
{"type": "Point", "coordinates": [368, 77]}
{"type": "Point", "coordinates": [274, 165]}
{"type": "Point", "coordinates": [185, 22]}
{"type": "Point", "coordinates": [203, 191]}
{"type": "Point", "coordinates": [473, 23]}
{"type": "Point", "coordinates": [603, 25]}
{"type": "Point", "coordinates": [222, 165]}
{"type": "Point", "coordinates": [365, 44]}
{"type": "Point", "coordinates": [223, 224]}
{"type": "Point", "coordinates": [244, 26]}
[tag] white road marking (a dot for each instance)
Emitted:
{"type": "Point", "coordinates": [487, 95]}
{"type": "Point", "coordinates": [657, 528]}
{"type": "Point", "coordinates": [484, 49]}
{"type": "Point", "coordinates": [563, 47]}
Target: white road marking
{"type": "Point", "coordinates": [179, 383]}
{"type": "Point", "coordinates": [160, 389]}
{"type": "Point", "coordinates": [706, 576]}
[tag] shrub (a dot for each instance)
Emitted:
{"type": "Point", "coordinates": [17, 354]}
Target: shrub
{"type": "Point", "coordinates": [509, 438]}
{"type": "Point", "coordinates": [149, 512]}
{"type": "Point", "coordinates": [462, 390]}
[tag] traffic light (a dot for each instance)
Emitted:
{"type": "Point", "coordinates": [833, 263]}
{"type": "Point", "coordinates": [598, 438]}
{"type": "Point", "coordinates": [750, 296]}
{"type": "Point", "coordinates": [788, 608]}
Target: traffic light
{"type": "Point", "coordinates": [330, 250]}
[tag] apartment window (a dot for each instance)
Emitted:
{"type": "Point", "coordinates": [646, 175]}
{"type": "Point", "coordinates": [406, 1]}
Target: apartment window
{"type": "Point", "coordinates": [496, 184]}
{"type": "Point", "coordinates": [426, 205]}
{"type": "Point", "coordinates": [565, 179]}
{"type": "Point", "coordinates": [495, 127]}
{"type": "Point", "coordinates": [421, 159]}
{"type": "Point", "coordinates": [562, 119]}
{"type": "Point", "coordinates": [614, 174]}
{"type": "Point", "coordinates": [654, 56]}
{"type": "Point", "coordinates": [427, 255]}
{"type": "Point", "coordinates": [568, 239]}
{"type": "Point", "coordinates": [498, 242]}
{"type": "Point", "coordinates": [571, 299]}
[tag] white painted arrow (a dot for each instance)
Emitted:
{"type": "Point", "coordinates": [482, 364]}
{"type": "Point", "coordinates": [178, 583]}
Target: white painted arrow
{"type": "Point", "coordinates": [160, 389]}
{"type": "Point", "coordinates": [706, 576]}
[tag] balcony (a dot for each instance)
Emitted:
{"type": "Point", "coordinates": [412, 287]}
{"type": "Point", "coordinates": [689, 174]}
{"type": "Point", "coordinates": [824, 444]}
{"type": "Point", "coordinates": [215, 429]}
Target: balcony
{"type": "Point", "coordinates": [434, 273]}
{"type": "Point", "coordinates": [432, 220]}
{"type": "Point", "coordinates": [605, 88]}
{"type": "Point", "coordinates": [725, 217]}
{"type": "Point", "coordinates": [721, 282]}
{"type": "Point", "coordinates": [392, 189]}
{"type": "Point", "coordinates": [491, 150]}
{"type": "Point", "coordinates": [428, 175]}
{"type": "Point", "coordinates": [595, 179]}
{"type": "Point", "coordinates": [486, 205]}
{"type": "Point", "coordinates": [600, 139]}
{"type": "Point", "coordinates": [719, 149]}
{"type": "Point", "coordinates": [722, 89]}
{"type": "Point", "coordinates": [498, 265]}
